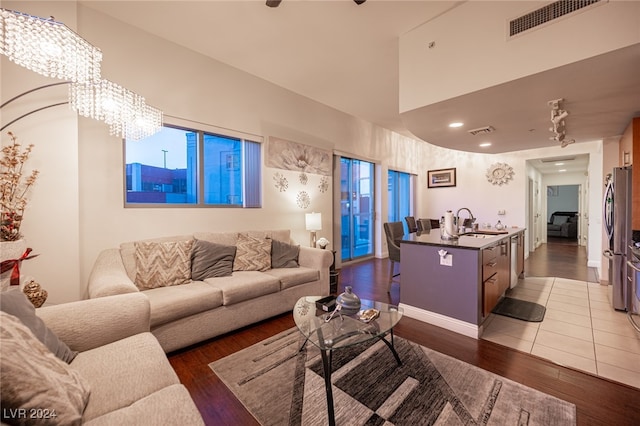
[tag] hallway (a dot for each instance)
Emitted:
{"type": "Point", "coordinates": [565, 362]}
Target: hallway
{"type": "Point", "coordinates": [580, 328]}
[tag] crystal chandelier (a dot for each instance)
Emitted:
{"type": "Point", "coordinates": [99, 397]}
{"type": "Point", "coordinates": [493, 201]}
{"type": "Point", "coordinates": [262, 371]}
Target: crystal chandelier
{"type": "Point", "coordinates": [48, 47]}
{"type": "Point", "coordinates": [126, 112]}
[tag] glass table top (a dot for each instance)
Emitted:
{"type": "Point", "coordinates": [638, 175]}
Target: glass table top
{"type": "Point", "coordinates": [341, 330]}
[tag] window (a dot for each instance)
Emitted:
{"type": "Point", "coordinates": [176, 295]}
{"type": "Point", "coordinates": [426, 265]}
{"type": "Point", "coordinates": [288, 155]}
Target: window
{"type": "Point", "coordinates": [193, 167]}
{"type": "Point", "coordinates": [399, 196]}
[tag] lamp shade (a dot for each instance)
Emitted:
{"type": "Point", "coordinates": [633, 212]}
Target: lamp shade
{"type": "Point", "coordinates": [313, 221]}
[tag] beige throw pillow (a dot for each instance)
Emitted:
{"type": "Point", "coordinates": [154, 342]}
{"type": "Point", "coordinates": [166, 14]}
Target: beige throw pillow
{"type": "Point", "coordinates": [252, 254]}
{"type": "Point", "coordinates": [37, 387]}
{"type": "Point", "coordinates": [163, 264]}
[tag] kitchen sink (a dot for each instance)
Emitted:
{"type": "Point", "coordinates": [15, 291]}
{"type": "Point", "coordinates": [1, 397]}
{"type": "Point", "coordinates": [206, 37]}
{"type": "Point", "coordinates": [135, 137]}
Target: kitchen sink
{"type": "Point", "coordinates": [474, 235]}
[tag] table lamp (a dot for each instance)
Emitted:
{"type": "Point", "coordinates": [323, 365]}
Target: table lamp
{"type": "Point", "coordinates": [313, 223]}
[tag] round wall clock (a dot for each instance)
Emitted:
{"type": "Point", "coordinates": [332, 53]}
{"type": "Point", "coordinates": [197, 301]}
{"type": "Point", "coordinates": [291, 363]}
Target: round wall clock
{"type": "Point", "coordinates": [500, 173]}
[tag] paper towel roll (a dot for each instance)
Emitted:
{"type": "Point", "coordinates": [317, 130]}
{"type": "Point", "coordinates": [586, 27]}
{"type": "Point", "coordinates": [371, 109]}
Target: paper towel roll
{"type": "Point", "coordinates": [449, 224]}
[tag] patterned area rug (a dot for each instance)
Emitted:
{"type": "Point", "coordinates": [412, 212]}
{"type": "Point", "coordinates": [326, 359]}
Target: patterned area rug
{"type": "Point", "coordinates": [281, 385]}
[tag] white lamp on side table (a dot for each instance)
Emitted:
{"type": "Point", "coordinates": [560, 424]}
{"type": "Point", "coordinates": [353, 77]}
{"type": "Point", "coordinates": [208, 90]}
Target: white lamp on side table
{"type": "Point", "coordinates": [313, 222]}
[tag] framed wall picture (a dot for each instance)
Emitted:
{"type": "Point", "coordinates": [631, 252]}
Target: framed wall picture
{"type": "Point", "coordinates": [441, 178]}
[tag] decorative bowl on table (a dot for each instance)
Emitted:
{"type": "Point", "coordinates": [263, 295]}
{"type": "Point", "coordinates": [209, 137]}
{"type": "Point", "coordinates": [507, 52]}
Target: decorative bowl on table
{"type": "Point", "coordinates": [349, 302]}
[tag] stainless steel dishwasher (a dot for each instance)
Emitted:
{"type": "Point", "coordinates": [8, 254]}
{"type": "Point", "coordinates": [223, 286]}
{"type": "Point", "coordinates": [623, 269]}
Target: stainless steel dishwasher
{"type": "Point", "coordinates": [514, 261]}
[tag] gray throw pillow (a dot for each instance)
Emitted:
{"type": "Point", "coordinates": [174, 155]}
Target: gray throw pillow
{"type": "Point", "coordinates": [210, 260]}
{"type": "Point", "coordinates": [284, 255]}
{"type": "Point", "coordinates": [14, 302]}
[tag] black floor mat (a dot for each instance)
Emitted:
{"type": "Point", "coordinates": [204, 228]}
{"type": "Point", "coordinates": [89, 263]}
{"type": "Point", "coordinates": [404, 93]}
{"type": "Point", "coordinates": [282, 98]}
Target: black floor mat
{"type": "Point", "coordinates": [520, 309]}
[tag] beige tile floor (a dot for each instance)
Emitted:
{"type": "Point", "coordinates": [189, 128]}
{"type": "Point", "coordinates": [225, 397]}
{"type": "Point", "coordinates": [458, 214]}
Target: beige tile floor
{"type": "Point", "coordinates": [580, 329]}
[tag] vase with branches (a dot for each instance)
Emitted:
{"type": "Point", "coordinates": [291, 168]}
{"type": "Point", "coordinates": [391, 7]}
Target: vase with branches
{"type": "Point", "coordinates": [14, 188]}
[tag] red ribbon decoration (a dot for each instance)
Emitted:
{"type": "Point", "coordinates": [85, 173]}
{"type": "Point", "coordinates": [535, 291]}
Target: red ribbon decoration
{"type": "Point", "coordinates": [15, 265]}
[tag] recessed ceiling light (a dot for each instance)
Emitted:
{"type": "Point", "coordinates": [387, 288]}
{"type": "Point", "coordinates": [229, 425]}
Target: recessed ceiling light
{"type": "Point", "coordinates": [456, 124]}
{"type": "Point", "coordinates": [562, 170]}
{"type": "Point", "coordinates": [485, 144]}
{"type": "Point", "coordinates": [559, 164]}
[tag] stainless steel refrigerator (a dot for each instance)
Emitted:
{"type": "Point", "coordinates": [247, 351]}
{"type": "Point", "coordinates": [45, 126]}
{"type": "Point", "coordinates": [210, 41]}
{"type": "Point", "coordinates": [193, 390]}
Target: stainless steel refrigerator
{"type": "Point", "coordinates": [617, 223]}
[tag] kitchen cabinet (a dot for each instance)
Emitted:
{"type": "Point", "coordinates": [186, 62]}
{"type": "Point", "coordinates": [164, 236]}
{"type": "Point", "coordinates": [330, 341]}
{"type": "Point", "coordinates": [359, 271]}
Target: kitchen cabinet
{"type": "Point", "coordinates": [630, 151]}
{"type": "Point", "coordinates": [490, 278]}
{"type": "Point", "coordinates": [455, 284]}
{"type": "Point", "coordinates": [496, 274]}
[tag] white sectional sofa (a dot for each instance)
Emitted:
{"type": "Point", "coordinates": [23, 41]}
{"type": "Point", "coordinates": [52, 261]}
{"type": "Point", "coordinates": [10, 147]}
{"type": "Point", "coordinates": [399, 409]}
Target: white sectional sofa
{"type": "Point", "coordinates": [229, 290]}
{"type": "Point", "coordinates": [90, 362]}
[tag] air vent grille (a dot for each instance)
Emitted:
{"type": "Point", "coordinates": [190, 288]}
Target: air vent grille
{"type": "Point", "coordinates": [548, 13]}
{"type": "Point", "coordinates": [556, 159]}
{"type": "Point", "coordinates": [482, 130]}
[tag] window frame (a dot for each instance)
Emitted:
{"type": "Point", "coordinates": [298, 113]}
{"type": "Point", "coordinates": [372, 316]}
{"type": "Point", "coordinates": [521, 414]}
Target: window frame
{"type": "Point", "coordinates": [200, 129]}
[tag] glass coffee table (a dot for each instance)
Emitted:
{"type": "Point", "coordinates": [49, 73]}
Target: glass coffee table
{"type": "Point", "coordinates": [331, 331]}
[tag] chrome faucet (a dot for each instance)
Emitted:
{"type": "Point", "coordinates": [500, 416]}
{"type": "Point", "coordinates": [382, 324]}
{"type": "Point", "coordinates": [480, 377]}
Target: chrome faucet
{"type": "Point", "coordinates": [468, 221]}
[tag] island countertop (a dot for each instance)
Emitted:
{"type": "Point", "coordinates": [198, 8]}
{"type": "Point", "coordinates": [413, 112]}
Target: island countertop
{"type": "Point", "coordinates": [468, 241]}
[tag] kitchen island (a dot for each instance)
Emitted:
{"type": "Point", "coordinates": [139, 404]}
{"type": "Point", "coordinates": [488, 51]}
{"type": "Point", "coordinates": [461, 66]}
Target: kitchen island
{"type": "Point", "coordinates": [455, 284]}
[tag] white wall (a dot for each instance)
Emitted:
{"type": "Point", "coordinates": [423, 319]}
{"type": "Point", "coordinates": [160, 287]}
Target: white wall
{"type": "Point", "coordinates": [77, 206]}
{"type": "Point", "coordinates": [485, 199]}
{"type": "Point", "coordinates": [428, 75]}
{"type": "Point", "coordinates": [51, 219]}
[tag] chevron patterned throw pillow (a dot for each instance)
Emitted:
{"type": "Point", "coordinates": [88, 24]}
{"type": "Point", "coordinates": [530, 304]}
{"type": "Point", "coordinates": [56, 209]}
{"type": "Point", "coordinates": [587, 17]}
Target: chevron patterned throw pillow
{"type": "Point", "coordinates": [162, 264]}
{"type": "Point", "coordinates": [253, 254]}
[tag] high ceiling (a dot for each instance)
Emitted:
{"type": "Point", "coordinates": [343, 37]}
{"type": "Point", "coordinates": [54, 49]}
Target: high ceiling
{"type": "Point", "coordinates": [345, 56]}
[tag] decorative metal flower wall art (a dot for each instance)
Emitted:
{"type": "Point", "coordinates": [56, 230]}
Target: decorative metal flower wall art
{"type": "Point", "coordinates": [500, 173]}
{"type": "Point", "coordinates": [281, 182]}
{"type": "Point", "coordinates": [304, 178]}
{"type": "Point", "coordinates": [303, 200]}
{"type": "Point", "coordinates": [324, 184]}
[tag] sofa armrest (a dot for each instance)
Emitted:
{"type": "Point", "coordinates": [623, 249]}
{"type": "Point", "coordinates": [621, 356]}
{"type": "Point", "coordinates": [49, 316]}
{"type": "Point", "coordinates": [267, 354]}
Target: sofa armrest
{"type": "Point", "coordinates": [109, 276]}
{"type": "Point", "coordinates": [315, 258]}
{"type": "Point", "coordinates": [88, 324]}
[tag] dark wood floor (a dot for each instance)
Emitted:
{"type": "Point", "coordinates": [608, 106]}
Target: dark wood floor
{"type": "Point", "coordinates": [598, 401]}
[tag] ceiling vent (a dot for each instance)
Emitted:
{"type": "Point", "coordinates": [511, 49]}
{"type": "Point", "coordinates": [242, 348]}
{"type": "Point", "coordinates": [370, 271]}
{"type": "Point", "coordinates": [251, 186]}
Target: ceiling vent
{"type": "Point", "coordinates": [556, 159]}
{"type": "Point", "coordinates": [548, 13]}
{"type": "Point", "coordinates": [482, 130]}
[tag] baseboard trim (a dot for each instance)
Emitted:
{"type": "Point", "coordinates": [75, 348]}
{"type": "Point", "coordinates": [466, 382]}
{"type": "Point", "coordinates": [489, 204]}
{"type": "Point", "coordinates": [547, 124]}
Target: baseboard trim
{"type": "Point", "coordinates": [451, 324]}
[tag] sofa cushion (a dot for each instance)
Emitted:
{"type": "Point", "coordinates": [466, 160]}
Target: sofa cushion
{"type": "Point", "coordinates": [291, 277]}
{"type": "Point", "coordinates": [170, 405]}
{"type": "Point", "coordinates": [244, 285]}
{"type": "Point", "coordinates": [559, 220]}
{"type": "Point", "coordinates": [123, 372]}
{"type": "Point", "coordinates": [172, 303]}
{"type": "Point", "coordinates": [33, 378]}
{"type": "Point", "coordinates": [253, 254]}
{"type": "Point", "coordinates": [284, 255]}
{"type": "Point", "coordinates": [283, 235]}
{"type": "Point", "coordinates": [15, 302]}
{"type": "Point", "coordinates": [160, 264]}
{"type": "Point", "coordinates": [211, 260]}
{"type": "Point", "coordinates": [231, 238]}
{"type": "Point", "coordinates": [225, 238]}
{"type": "Point", "coordinates": [128, 251]}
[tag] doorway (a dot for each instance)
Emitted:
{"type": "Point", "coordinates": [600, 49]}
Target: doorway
{"type": "Point", "coordinates": [356, 208]}
{"type": "Point", "coordinates": [563, 214]}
